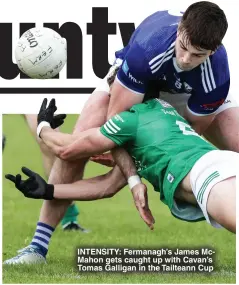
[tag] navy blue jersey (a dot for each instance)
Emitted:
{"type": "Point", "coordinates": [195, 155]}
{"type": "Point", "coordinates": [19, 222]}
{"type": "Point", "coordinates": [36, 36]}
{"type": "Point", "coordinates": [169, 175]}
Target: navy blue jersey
{"type": "Point", "coordinates": [150, 56]}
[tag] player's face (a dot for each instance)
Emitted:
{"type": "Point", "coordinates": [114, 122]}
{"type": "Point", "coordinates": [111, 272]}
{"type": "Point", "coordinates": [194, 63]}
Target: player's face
{"type": "Point", "coordinates": [187, 56]}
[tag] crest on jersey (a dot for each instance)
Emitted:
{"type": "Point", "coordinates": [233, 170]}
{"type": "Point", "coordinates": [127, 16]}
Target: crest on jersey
{"type": "Point", "coordinates": [187, 87]}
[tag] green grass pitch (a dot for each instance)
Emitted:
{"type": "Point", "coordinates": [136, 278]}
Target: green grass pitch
{"type": "Point", "coordinates": [113, 222]}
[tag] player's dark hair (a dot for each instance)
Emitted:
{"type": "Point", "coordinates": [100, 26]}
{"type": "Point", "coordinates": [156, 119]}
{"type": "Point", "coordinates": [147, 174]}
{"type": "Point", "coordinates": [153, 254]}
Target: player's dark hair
{"type": "Point", "coordinates": [204, 25]}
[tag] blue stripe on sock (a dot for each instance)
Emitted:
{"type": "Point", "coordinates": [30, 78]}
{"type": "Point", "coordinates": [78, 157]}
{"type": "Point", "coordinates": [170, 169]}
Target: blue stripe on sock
{"type": "Point", "coordinates": [42, 250]}
{"type": "Point", "coordinates": [41, 239]}
{"type": "Point", "coordinates": [44, 233]}
{"type": "Point", "coordinates": [45, 226]}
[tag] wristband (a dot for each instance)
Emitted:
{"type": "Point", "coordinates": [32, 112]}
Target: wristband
{"type": "Point", "coordinates": [49, 195]}
{"type": "Point", "coordinates": [40, 126]}
{"type": "Point", "coordinates": [133, 180]}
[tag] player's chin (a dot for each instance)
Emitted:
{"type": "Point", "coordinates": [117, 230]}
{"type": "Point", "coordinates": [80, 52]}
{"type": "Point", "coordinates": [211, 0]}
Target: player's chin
{"type": "Point", "coordinates": [186, 68]}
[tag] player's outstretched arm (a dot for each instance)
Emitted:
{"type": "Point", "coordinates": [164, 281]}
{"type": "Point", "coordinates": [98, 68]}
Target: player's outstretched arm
{"type": "Point", "coordinates": [73, 147]}
{"type": "Point", "coordinates": [66, 146]}
{"type": "Point", "coordinates": [138, 189]}
{"type": "Point", "coordinates": [56, 141]}
{"type": "Point", "coordinates": [86, 144]}
{"type": "Point", "coordinates": [35, 187]}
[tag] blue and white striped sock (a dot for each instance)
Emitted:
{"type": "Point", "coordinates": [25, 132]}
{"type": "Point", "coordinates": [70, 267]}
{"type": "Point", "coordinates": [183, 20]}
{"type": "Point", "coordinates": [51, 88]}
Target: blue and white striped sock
{"type": "Point", "coordinates": [42, 237]}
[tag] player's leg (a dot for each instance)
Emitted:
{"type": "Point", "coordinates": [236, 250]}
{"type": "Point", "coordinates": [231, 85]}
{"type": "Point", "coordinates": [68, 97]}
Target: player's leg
{"type": "Point", "coordinates": [108, 185]}
{"type": "Point", "coordinates": [63, 172]}
{"type": "Point", "coordinates": [48, 157]}
{"type": "Point", "coordinates": [93, 115]}
{"type": "Point", "coordinates": [69, 221]}
{"type": "Point", "coordinates": [213, 183]}
{"type": "Point", "coordinates": [221, 204]}
{"type": "Point", "coordinates": [224, 130]}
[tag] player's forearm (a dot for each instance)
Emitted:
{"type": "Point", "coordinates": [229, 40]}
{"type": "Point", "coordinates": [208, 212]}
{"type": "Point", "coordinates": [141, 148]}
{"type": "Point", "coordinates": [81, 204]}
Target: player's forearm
{"type": "Point", "coordinates": [56, 140]}
{"type": "Point", "coordinates": [88, 143]}
{"type": "Point", "coordinates": [124, 161]}
{"type": "Point", "coordinates": [104, 186]}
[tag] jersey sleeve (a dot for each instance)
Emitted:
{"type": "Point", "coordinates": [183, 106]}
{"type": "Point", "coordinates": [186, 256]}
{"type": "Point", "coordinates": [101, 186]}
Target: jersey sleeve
{"type": "Point", "coordinates": [121, 128]}
{"type": "Point", "coordinates": [135, 73]}
{"type": "Point", "coordinates": [215, 84]}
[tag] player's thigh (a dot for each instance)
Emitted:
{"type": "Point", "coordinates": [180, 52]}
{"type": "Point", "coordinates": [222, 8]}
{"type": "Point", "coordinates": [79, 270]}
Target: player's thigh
{"type": "Point", "coordinates": [95, 111]}
{"type": "Point", "coordinates": [221, 203]}
{"type": "Point", "coordinates": [211, 169]}
{"type": "Point", "coordinates": [224, 130]}
{"type": "Point", "coordinates": [184, 191]}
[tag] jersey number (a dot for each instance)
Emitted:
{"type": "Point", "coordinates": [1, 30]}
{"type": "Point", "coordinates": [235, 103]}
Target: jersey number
{"type": "Point", "coordinates": [186, 129]}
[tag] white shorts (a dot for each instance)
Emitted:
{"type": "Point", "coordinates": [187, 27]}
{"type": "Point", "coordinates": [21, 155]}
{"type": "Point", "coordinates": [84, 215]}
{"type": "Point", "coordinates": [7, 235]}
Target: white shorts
{"type": "Point", "coordinates": [210, 169]}
{"type": "Point", "coordinates": [178, 101]}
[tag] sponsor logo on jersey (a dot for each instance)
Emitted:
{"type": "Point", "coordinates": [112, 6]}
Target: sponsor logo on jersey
{"type": "Point", "coordinates": [170, 177]}
{"type": "Point", "coordinates": [210, 106]}
{"type": "Point", "coordinates": [134, 79]}
{"type": "Point", "coordinates": [125, 67]}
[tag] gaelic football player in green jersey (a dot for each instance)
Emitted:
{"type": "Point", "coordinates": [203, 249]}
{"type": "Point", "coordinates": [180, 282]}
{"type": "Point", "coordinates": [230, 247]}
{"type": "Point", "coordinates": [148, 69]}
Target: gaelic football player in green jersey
{"type": "Point", "coordinates": [195, 179]}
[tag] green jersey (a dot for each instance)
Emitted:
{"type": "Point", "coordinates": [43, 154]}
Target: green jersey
{"type": "Point", "coordinates": [162, 143]}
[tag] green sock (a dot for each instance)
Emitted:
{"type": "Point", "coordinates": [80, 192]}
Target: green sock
{"type": "Point", "coordinates": [71, 215]}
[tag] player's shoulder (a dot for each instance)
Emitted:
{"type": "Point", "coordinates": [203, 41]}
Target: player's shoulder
{"type": "Point", "coordinates": [127, 118]}
{"type": "Point", "coordinates": [157, 33]}
{"type": "Point", "coordinates": [216, 66]}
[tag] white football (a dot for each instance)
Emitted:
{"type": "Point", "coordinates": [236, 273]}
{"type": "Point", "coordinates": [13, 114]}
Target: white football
{"type": "Point", "coordinates": [41, 53]}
